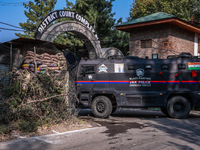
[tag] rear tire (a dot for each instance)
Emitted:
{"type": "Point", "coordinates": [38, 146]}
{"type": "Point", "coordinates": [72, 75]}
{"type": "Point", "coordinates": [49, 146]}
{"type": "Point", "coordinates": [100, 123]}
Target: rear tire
{"type": "Point", "coordinates": [101, 107]}
{"type": "Point", "coordinates": [178, 107]}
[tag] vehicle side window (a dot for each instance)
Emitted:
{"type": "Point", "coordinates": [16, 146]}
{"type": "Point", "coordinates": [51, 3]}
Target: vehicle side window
{"type": "Point", "coordinates": [131, 67]}
{"type": "Point", "coordinates": [148, 67]}
{"type": "Point", "coordinates": [164, 67]}
{"type": "Point", "coordinates": [88, 70]}
{"type": "Point", "coordinates": [181, 66]}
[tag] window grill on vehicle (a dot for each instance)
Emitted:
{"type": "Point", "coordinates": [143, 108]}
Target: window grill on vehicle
{"type": "Point", "coordinates": [148, 67]}
{"type": "Point", "coordinates": [164, 67]}
{"type": "Point", "coordinates": [88, 69]}
{"type": "Point", "coordinates": [181, 66]}
{"type": "Point", "coordinates": [131, 67]}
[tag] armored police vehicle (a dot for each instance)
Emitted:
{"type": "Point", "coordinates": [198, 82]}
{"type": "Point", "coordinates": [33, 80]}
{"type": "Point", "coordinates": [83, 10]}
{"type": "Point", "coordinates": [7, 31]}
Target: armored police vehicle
{"type": "Point", "coordinates": [171, 84]}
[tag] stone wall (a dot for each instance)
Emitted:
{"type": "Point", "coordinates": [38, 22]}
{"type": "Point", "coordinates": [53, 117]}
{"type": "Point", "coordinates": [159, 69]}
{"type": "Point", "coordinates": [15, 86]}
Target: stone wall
{"type": "Point", "coordinates": [180, 39]}
{"type": "Point", "coordinates": [4, 68]}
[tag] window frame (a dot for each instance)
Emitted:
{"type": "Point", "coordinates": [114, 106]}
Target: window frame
{"type": "Point", "coordinates": [168, 43]}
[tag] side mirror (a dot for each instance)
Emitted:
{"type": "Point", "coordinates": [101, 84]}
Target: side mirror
{"type": "Point", "coordinates": [194, 73]}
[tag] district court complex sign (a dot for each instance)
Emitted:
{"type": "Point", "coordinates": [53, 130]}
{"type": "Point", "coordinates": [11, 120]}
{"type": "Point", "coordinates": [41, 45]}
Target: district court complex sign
{"type": "Point", "coordinates": [62, 14]}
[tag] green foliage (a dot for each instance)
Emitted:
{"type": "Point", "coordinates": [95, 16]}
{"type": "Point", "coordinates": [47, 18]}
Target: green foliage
{"type": "Point", "coordinates": [118, 39]}
{"type": "Point", "coordinates": [27, 120]}
{"type": "Point", "coordinates": [4, 129]}
{"type": "Point", "coordinates": [27, 125]}
{"type": "Point", "coordinates": [184, 9]}
{"type": "Point", "coordinates": [9, 91]}
{"type": "Point", "coordinates": [99, 14]}
{"type": "Point", "coordinates": [35, 12]}
{"type": "Point", "coordinates": [16, 113]}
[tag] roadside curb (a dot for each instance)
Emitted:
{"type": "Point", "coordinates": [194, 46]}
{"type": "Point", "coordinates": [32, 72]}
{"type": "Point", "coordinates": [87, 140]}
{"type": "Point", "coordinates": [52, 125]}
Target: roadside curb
{"type": "Point", "coordinates": [63, 133]}
{"type": "Point", "coordinates": [45, 137]}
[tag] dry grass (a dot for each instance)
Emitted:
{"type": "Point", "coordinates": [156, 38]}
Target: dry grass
{"type": "Point", "coordinates": [70, 125]}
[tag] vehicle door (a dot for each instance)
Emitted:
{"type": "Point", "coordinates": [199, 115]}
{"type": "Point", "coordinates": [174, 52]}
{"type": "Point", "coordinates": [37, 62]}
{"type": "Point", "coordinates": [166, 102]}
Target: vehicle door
{"type": "Point", "coordinates": [85, 80]}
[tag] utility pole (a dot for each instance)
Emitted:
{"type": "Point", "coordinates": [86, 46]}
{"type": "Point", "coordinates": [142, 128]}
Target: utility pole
{"type": "Point", "coordinates": [11, 57]}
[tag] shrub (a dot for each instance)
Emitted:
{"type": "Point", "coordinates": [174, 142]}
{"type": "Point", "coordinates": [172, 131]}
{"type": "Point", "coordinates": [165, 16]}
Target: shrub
{"type": "Point", "coordinates": [17, 113]}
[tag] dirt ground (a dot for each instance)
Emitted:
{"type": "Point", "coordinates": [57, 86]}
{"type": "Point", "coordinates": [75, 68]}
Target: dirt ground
{"type": "Point", "coordinates": [70, 125]}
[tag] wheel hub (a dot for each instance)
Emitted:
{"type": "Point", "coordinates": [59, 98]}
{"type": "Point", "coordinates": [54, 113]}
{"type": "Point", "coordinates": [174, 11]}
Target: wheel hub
{"type": "Point", "coordinates": [100, 107]}
{"type": "Point", "coordinates": [179, 107]}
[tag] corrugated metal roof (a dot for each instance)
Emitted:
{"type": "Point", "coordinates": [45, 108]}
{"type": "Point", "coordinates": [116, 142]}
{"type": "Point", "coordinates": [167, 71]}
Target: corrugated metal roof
{"type": "Point", "coordinates": [151, 17]}
{"type": "Point", "coordinates": [21, 41]}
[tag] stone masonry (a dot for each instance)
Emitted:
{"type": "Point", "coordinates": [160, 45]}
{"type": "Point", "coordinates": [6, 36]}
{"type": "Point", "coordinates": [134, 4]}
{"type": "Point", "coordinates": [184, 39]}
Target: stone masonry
{"type": "Point", "coordinates": [91, 41]}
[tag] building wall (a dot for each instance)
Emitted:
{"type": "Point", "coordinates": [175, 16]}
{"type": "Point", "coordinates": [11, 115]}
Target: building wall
{"type": "Point", "coordinates": [180, 39]}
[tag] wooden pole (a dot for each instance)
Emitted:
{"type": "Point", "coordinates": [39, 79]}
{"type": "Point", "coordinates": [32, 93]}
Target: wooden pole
{"type": "Point", "coordinates": [35, 60]}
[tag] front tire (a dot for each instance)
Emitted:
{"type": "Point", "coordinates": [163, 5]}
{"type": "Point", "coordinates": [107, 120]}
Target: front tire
{"type": "Point", "coordinates": [178, 107]}
{"type": "Point", "coordinates": [101, 107]}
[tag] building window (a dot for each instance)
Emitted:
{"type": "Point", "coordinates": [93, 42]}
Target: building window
{"type": "Point", "coordinates": [146, 43]}
{"type": "Point", "coordinates": [167, 45]}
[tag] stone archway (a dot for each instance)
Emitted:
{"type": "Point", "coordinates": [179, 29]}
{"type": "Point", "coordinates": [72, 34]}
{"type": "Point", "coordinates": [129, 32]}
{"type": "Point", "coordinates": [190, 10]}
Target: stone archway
{"type": "Point", "coordinates": [91, 42]}
{"type": "Point", "coordinates": [80, 27]}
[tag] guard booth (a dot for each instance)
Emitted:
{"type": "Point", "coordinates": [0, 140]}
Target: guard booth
{"type": "Point", "coordinates": [15, 53]}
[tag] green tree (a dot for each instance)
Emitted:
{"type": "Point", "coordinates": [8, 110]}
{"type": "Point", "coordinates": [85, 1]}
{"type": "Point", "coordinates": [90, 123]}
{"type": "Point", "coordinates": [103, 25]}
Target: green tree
{"type": "Point", "coordinates": [35, 12]}
{"type": "Point", "coordinates": [183, 9]}
{"type": "Point", "coordinates": [99, 14]}
{"type": "Point", "coordinates": [120, 39]}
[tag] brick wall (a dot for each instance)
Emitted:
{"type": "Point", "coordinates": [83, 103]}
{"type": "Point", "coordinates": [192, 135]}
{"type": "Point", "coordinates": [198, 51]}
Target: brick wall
{"type": "Point", "coordinates": [181, 40]}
